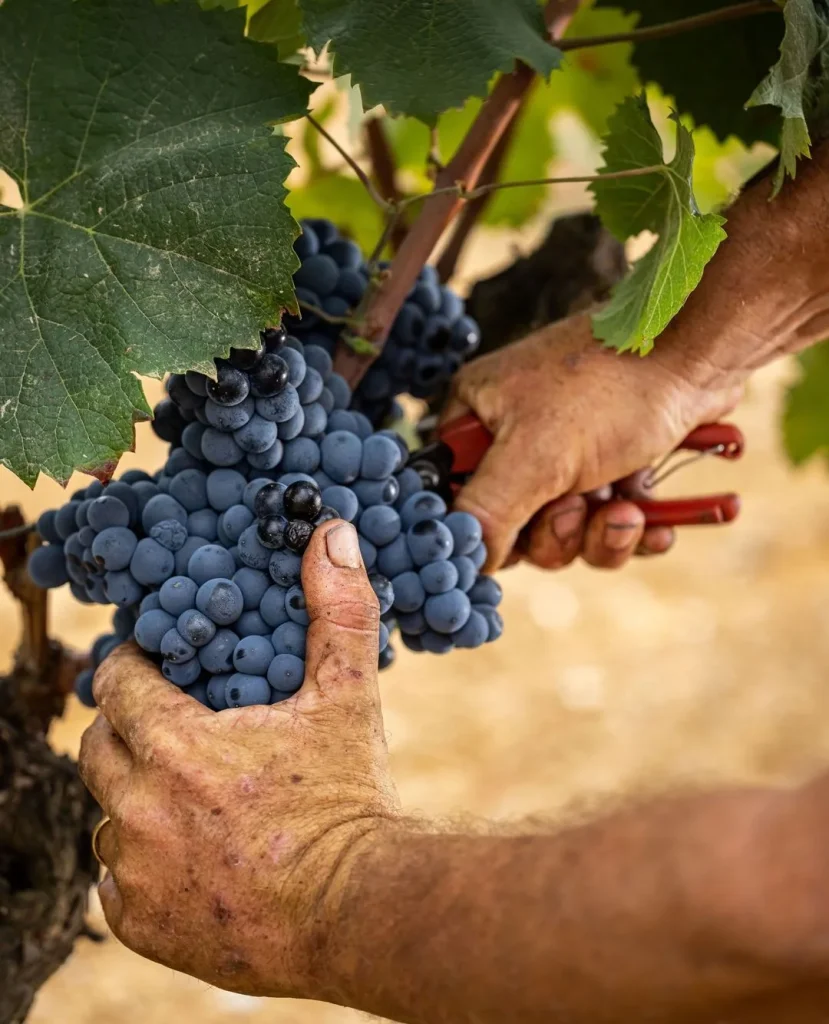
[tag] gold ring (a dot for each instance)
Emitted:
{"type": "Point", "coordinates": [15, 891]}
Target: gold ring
{"type": "Point", "coordinates": [95, 833]}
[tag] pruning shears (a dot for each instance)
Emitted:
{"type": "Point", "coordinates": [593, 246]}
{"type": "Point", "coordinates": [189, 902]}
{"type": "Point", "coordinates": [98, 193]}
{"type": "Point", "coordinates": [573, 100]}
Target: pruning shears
{"type": "Point", "coordinates": [446, 463]}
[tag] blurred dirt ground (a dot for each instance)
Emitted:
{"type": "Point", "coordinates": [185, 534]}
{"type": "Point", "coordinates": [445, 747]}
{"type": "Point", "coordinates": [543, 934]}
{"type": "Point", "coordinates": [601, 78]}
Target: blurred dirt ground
{"type": "Point", "coordinates": [707, 665]}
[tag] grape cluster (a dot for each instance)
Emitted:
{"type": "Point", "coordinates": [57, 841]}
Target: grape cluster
{"type": "Point", "coordinates": [429, 340]}
{"type": "Point", "coordinates": [203, 559]}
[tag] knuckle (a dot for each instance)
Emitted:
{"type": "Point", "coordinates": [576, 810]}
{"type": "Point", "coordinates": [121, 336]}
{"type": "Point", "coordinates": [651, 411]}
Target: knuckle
{"type": "Point", "coordinates": [361, 614]}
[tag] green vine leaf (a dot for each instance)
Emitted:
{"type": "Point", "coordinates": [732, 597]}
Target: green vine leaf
{"type": "Point", "coordinates": [152, 235]}
{"type": "Point", "coordinates": [278, 22]}
{"type": "Point", "coordinates": [790, 84]}
{"type": "Point", "coordinates": [421, 58]}
{"type": "Point", "coordinates": [645, 302]}
{"type": "Point", "coordinates": [710, 72]}
{"type": "Point", "coordinates": [806, 412]}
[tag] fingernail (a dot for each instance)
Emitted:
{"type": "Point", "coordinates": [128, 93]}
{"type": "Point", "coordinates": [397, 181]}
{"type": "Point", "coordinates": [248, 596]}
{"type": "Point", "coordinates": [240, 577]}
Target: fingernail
{"type": "Point", "coordinates": [567, 524]}
{"type": "Point", "coordinates": [617, 535]}
{"type": "Point", "coordinates": [343, 547]}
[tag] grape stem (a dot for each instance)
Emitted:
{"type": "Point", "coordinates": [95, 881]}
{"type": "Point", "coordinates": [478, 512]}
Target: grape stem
{"type": "Point", "coordinates": [464, 169]}
{"type": "Point", "coordinates": [672, 28]}
{"type": "Point", "coordinates": [368, 184]}
{"type": "Point", "coordinates": [329, 318]}
{"type": "Point", "coordinates": [385, 172]}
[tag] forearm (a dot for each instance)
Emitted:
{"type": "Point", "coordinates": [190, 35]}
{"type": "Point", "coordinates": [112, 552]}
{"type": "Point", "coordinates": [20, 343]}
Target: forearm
{"type": "Point", "coordinates": [643, 916]}
{"type": "Point", "coordinates": [766, 292]}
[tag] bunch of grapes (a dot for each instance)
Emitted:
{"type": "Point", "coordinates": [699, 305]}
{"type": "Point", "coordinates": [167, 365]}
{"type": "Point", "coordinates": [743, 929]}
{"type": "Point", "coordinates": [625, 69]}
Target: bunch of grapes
{"type": "Point", "coordinates": [429, 340]}
{"type": "Point", "coordinates": [203, 558]}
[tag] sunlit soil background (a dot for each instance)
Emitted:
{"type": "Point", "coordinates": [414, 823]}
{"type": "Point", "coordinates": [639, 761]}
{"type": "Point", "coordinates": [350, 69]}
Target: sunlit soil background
{"type": "Point", "coordinates": [703, 667]}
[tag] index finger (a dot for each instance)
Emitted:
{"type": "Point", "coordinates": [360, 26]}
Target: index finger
{"type": "Point", "coordinates": [136, 699]}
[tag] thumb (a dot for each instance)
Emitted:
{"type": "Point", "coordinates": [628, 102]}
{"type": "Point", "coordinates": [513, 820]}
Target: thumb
{"type": "Point", "coordinates": [342, 648]}
{"type": "Point", "coordinates": [513, 481]}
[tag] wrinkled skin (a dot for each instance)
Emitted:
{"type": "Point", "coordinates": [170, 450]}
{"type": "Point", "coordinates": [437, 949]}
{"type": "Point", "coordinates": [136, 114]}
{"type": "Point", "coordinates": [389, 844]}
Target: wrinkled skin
{"type": "Point", "coordinates": [228, 830]}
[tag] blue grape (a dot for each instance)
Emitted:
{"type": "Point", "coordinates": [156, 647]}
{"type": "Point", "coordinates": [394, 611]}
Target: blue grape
{"type": "Point", "coordinates": [382, 587]}
{"type": "Point", "coordinates": [197, 382]}
{"type": "Point", "coordinates": [465, 530]}
{"type": "Point", "coordinates": [380, 524]}
{"type": "Point", "coordinates": [486, 590]}
{"type": "Point", "coordinates": [126, 495]}
{"type": "Point", "coordinates": [113, 548]}
{"type": "Point", "coordinates": [229, 418]}
{"type": "Point", "coordinates": [412, 642]}
{"type": "Point", "coordinates": [47, 566]}
{"type": "Point", "coordinates": [307, 244]}
{"type": "Point", "coordinates": [302, 455]}
{"type": "Point", "coordinates": [119, 588]}
{"type": "Point", "coordinates": [290, 638]}
{"type": "Point", "coordinates": [296, 607]}
{"type": "Point", "coordinates": [279, 408]}
{"type": "Point", "coordinates": [376, 492]}
{"type": "Point", "coordinates": [272, 606]}
{"type": "Point", "coordinates": [269, 459]}
{"type": "Point", "coordinates": [257, 435]}
{"type": "Point", "coordinates": [343, 500]}
{"type": "Point", "coordinates": [123, 622]}
{"type": "Point", "coordinates": [409, 592]}
{"type": "Point", "coordinates": [220, 449]}
{"type": "Point", "coordinates": [429, 541]}
{"type": "Point", "coordinates": [81, 513]}
{"type": "Point", "coordinates": [242, 691]}
{"type": "Point", "coordinates": [220, 600]}
{"type": "Point", "coordinates": [478, 556]}
{"type": "Point", "coordinates": [341, 419]}
{"type": "Point", "coordinates": [285, 568]}
{"type": "Point", "coordinates": [47, 529]}
{"type": "Point", "coordinates": [395, 558]}
{"type": "Point", "coordinates": [134, 476]}
{"type": "Point", "coordinates": [217, 656]}
{"type": "Point", "coordinates": [289, 429]}
{"type": "Point", "coordinates": [398, 442]}
{"type": "Point", "coordinates": [251, 623]}
{"type": "Point", "coordinates": [363, 423]}
{"type": "Point", "coordinates": [342, 454]}
{"type": "Point", "coordinates": [493, 619]}
{"type": "Point", "coordinates": [198, 691]}
{"type": "Point", "coordinates": [319, 273]}
{"type": "Point", "coordinates": [315, 420]}
{"type": "Point", "coordinates": [191, 439]}
{"type": "Point", "coordinates": [170, 534]}
{"type": "Point", "coordinates": [318, 359]}
{"type": "Point", "coordinates": [252, 489]}
{"type": "Point", "coordinates": [189, 488]}
{"type": "Point", "coordinates": [177, 595]}
{"type": "Point", "coordinates": [203, 523]}
{"type": "Point", "coordinates": [216, 692]}
{"type": "Point", "coordinates": [252, 551]}
{"type": "Point", "coordinates": [235, 521]}
{"type": "Point", "coordinates": [323, 480]}
{"type": "Point", "coordinates": [83, 687]}
{"type": "Point", "coordinates": [381, 457]}
{"type": "Point", "coordinates": [144, 491]}
{"type": "Point", "coordinates": [181, 673]}
{"type": "Point", "coordinates": [161, 507]}
{"type": "Point", "coordinates": [412, 622]}
{"type": "Point", "coordinates": [382, 638]}
{"type": "Point", "coordinates": [195, 627]}
{"type": "Point", "coordinates": [65, 520]}
{"type": "Point", "coordinates": [184, 553]}
{"type": "Point", "coordinates": [341, 392]}
{"type": "Point", "coordinates": [286, 673]}
{"type": "Point", "coordinates": [150, 603]}
{"type": "Point", "coordinates": [435, 643]}
{"type": "Point", "coordinates": [253, 584]}
{"type": "Point", "coordinates": [151, 564]}
{"type": "Point", "coordinates": [175, 648]}
{"type": "Point", "coordinates": [253, 655]}
{"type": "Point", "coordinates": [439, 577]}
{"type": "Point", "coordinates": [369, 553]}
{"type": "Point", "coordinates": [420, 506]}
{"type": "Point", "coordinates": [345, 253]}
{"type": "Point", "coordinates": [474, 633]}
{"type": "Point", "coordinates": [467, 573]}
{"type": "Point", "coordinates": [447, 613]}
{"type": "Point", "coordinates": [86, 536]}
{"type": "Point", "coordinates": [107, 511]}
{"type": "Point", "coordinates": [225, 487]}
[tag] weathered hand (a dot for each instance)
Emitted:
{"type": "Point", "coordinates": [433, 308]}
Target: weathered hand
{"type": "Point", "coordinates": [569, 416]}
{"type": "Point", "coordinates": [230, 831]}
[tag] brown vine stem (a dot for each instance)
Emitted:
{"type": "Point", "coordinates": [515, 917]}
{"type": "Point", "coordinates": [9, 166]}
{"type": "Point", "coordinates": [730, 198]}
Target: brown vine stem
{"type": "Point", "coordinates": [385, 172]}
{"type": "Point", "coordinates": [465, 169]}
{"type": "Point", "coordinates": [472, 212]}
{"type": "Point", "coordinates": [672, 28]}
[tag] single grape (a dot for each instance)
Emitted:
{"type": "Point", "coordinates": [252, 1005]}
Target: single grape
{"type": "Point", "coordinates": [290, 638]}
{"type": "Point", "coordinates": [429, 541]}
{"type": "Point", "coordinates": [197, 382]}
{"type": "Point", "coordinates": [298, 535]}
{"type": "Point", "coordinates": [420, 506]}
{"type": "Point", "coordinates": [177, 595]}
{"type": "Point", "coordinates": [296, 607]}
{"type": "Point", "coordinates": [133, 476]}
{"type": "Point", "coordinates": [493, 619]}
{"type": "Point", "coordinates": [183, 554]}
{"type": "Point", "coordinates": [175, 648]}
{"type": "Point", "coordinates": [486, 590]}
{"type": "Point", "coordinates": [382, 637]}
{"type": "Point", "coordinates": [478, 557]}
{"type": "Point", "coordinates": [123, 622]}
{"type": "Point", "coordinates": [271, 531]}
{"type": "Point", "coordinates": [279, 408]}
{"type": "Point", "coordinates": [272, 606]}
{"type": "Point", "coordinates": [409, 592]}
{"type": "Point", "coordinates": [269, 500]}
{"type": "Point", "coordinates": [181, 673]}
{"type": "Point", "coordinates": [285, 568]}
{"type": "Point", "coordinates": [340, 390]}
{"type": "Point", "coordinates": [256, 436]}
{"type": "Point", "coordinates": [447, 613]}
{"type": "Point", "coordinates": [47, 529]}
{"type": "Point", "coordinates": [114, 547]}
{"type": "Point", "coordinates": [230, 387]}
{"type": "Point", "coordinates": [376, 492]}
{"type": "Point", "coordinates": [185, 399]}
{"type": "Point", "coordinates": [380, 524]}
{"type": "Point", "coordinates": [251, 491]}
{"type": "Point", "coordinates": [251, 623]}
{"type": "Point", "coordinates": [384, 590]}
{"type": "Point", "coordinates": [83, 687]}
{"type": "Point", "coordinates": [395, 558]}
{"type": "Point", "coordinates": [221, 600]}
{"type": "Point", "coordinates": [225, 488]}
{"type": "Point", "coordinates": [266, 460]}
{"type": "Point", "coordinates": [162, 507]}
{"type": "Point", "coordinates": [343, 500]}
{"type": "Point", "coordinates": [191, 440]}
{"type": "Point", "coordinates": [243, 691]}
{"type": "Point", "coordinates": [220, 449]}
{"type": "Point", "coordinates": [252, 551]}
{"type": "Point", "coordinates": [195, 627]}
{"type": "Point", "coordinates": [302, 501]}
{"type": "Point", "coordinates": [228, 418]}
{"type": "Point", "coordinates": [170, 534]}
{"type": "Point", "coordinates": [439, 577]}
{"type": "Point", "coordinates": [217, 656]}
{"type": "Point", "coordinates": [270, 377]}
{"type": "Point", "coordinates": [246, 359]}
{"type": "Point", "coordinates": [412, 623]}
{"type": "Point", "coordinates": [253, 655]}
{"type": "Point", "coordinates": [204, 523]}
{"type": "Point", "coordinates": [119, 588]}
{"type": "Point", "coordinates": [302, 455]}
{"type": "Point", "coordinates": [216, 692]}
{"type": "Point", "coordinates": [235, 521]}
{"type": "Point", "coordinates": [253, 584]}
{"type": "Point", "coordinates": [326, 515]}
{"type": "Point", "coordinates": [341, 419]}
{"type": "Point", "coordinates": [341, 454]}
{"type": "Point", "coordinates": [167, 421]}
{"type": "Point", "coordinates": [286, 673]}
{"type": "Point", "coordinates": [474, 633]}
{"type": "Point", "coordinates": [107, 511]}
{"type": "Point", "coordinates": [150, 603]}
{"type": "Point", "coordinates": [274, 338]}
{"type": "Point", "coordinates": [294, 427]}
{"type": "Point", "coordinates": [315, 420]}
{"type": "Point", "coordinates": [318, 359]}
{"type": "Point", "coordinates": [369, 553]}
{"type": "Point", "coordinates": [310, 389]}
{"type": "Point", "coordinates": [198, 691]}
{"type": "Point", "coordinates": [47, 566]}
{"type": "Point", "coordinates": [381, 457]}
{"type": "Point", "coordinates": [467, 573]}
{"type": "Point", "coordinates": [435, 643]}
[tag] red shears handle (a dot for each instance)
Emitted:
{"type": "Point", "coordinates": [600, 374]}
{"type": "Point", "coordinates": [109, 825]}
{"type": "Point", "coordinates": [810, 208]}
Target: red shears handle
{"type": "Point", "coordinates": [469, 439]}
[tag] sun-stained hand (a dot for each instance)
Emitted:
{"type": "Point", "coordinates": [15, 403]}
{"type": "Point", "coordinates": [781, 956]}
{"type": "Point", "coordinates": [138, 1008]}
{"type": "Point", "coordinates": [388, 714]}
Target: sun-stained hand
{"type": "Point", "coordinates": [230, 832]}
